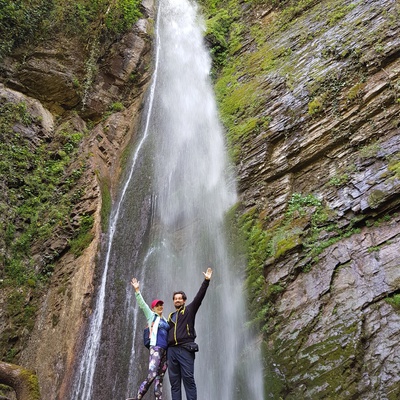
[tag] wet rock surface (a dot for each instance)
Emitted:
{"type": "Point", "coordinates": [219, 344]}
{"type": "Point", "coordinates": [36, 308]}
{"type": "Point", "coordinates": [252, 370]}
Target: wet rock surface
{"type": "Point", "coordinates": [334, 320]}
{"type": "Point", "coordinates": [53, 82]}
{"type": "Point", "coordinates": [333, 132]}
{"type": "Point", "coordinates": [333, 331]}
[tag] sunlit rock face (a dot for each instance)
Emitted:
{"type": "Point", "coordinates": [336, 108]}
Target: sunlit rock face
{"type": "Point", "coordinates": [332, 103]}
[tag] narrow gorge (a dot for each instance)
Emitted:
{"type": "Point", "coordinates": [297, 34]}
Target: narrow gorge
{"type": "Point", "coordinates": [308, 94]}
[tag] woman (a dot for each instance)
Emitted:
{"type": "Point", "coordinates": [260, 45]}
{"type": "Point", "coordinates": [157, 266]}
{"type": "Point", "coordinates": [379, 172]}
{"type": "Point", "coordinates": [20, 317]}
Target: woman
{"type": "Point", "coordinates": [158, 343]}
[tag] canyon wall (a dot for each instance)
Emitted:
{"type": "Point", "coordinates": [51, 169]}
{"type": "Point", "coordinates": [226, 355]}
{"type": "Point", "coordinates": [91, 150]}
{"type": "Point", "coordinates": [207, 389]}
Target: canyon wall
{"type": "Point", "coordinates": [311, 101]}
{"type": "Point", "coordinates": [309, 93]}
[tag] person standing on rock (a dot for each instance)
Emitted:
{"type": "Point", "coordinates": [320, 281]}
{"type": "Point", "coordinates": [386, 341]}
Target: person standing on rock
{"type": "Point", "coordinates": [181, 346]}
{"type": "Point", "coordinates": [159, 328]}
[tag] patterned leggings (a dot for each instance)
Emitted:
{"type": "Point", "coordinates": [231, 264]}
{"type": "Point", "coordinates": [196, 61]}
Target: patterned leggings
{"type": "Point", "coordinates": [157, 368]}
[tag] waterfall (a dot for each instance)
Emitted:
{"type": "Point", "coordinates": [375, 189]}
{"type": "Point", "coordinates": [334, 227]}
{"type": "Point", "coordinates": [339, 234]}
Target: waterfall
{"type": "Point", "coordinates": [167, 227]}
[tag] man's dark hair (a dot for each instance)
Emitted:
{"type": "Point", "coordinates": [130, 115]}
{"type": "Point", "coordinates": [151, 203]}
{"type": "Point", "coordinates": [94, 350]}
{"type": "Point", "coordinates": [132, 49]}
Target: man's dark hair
{"type": "Point", "coordinates": [180, 292]}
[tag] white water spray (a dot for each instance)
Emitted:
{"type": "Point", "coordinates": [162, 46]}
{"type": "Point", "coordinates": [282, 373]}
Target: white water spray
{"type": "Point", "coordinates": [192, 189]}
{"type": "Point", "coordinates": [84, 385]}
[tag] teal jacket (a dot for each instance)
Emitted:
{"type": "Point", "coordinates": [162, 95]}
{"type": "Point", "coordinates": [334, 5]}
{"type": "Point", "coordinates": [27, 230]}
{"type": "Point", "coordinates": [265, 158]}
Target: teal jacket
{"type": "Point", "coordinates": [150, 314]}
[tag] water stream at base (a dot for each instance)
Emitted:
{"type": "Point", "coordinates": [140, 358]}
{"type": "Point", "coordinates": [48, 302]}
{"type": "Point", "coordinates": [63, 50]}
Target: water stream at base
{"type": "Point", "coordinates": [167, 227]}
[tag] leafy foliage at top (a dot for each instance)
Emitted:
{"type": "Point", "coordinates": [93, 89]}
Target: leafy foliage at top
{"type": "Point", "coordinates": [22, 21]}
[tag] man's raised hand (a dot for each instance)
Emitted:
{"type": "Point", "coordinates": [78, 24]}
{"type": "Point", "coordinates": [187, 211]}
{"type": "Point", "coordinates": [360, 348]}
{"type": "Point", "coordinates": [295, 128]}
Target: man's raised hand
{"type": "Point", "coordinates": [207, 274]}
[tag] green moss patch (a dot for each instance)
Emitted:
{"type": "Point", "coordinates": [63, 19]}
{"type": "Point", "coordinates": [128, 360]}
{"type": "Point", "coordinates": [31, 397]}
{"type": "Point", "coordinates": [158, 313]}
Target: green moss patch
{"type": "Point", "coordinates": [39, 181]}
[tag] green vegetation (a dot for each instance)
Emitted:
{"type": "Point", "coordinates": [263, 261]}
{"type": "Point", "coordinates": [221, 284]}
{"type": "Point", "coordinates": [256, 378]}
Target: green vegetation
{"type": "Point", "coordinates": [116, 107]}
{"type": "Point", "coordinates": [369, 151]}
{"type": "Point", "coordinates": [298, 204]}
{"type": "Point", "coordinates": [252, 55]}
{"type": "Point", "coordinates": [39, 177]}
{"type": "Point", "coordinates": [325, 91]}
{"type": "Point", "coordinates": [306, 225]}
{"type": "Point", "coordinates": [394, 300]}
{"type": "Point", "coordinates": [356, 91]}
{"type": "Point", "coordinates": [238, 104]}
{"type": "Point", "coordinates": [257, 250]}
{"type": "Point", "coordinates": [273, 243]}
{"type": "Point", "coordinates": [240, 76]}
{"type": "Point", "coordinates": [39, 194]}
{"type": "Point", "coordinates": [339, 180]}
{"type": "Point", "coordinates": [22, 21]}
{"type": "Point", "coordinates": [379, 221]}
{"type": "Point", "coordinates": [374, 248]}
{"type": "Point", "coordinates": [340, 12]}
{"type": "Point", "coordinates": [6, 391]}
{"type": "Point", "coordinates": [123, 15]}
{"type": "Point", "coordinates": [217, 34]}
{"type": "Point", "coordinates": [394, 166]}
{"type": "Point", "coordinates": [19, 20]}
{"type": "Point", "coordinates": [376, 198]}
{"type": "Point", "coordinates": [84, 235]}
{"type": "Point", "coordinates": [106, 204]}
{"type": "Point", "coordinates": [316, 106]}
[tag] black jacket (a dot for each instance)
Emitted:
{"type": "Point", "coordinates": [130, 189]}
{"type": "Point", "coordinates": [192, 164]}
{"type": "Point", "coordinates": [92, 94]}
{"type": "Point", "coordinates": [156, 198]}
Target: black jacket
{"type": "Point", "coordinates": [181, 321]}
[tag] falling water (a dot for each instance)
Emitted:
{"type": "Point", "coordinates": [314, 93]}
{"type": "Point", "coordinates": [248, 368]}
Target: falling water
{"type": "Point", "coordinates": [167, 227]}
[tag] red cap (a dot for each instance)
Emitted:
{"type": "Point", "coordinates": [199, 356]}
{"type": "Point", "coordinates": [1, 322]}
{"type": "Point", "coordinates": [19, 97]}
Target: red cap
{"type": "Point", "coordinates": [155, 302]}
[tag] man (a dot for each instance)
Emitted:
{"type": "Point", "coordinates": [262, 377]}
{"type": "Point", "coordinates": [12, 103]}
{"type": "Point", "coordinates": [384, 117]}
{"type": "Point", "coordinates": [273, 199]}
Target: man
{"type": "Point", "coordinates": [181, 346]}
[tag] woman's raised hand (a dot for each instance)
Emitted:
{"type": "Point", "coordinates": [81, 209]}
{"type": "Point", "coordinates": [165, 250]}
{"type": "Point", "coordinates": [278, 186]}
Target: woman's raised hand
{"type": "Point", "coordinates": [136, 284]}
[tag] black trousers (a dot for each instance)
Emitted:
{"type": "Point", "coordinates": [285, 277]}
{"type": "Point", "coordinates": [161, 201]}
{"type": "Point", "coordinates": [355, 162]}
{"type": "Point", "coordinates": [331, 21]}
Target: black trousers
{"type": "Point", "coordinates": [181, 368]}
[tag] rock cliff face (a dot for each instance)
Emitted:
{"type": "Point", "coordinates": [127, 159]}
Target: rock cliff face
{"type": "Point", "coordinates": [107, 109]}
{"type": "Point", "coordinates": [319, 171]}
{"type": "Point", "coordinates": [311, 100]}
